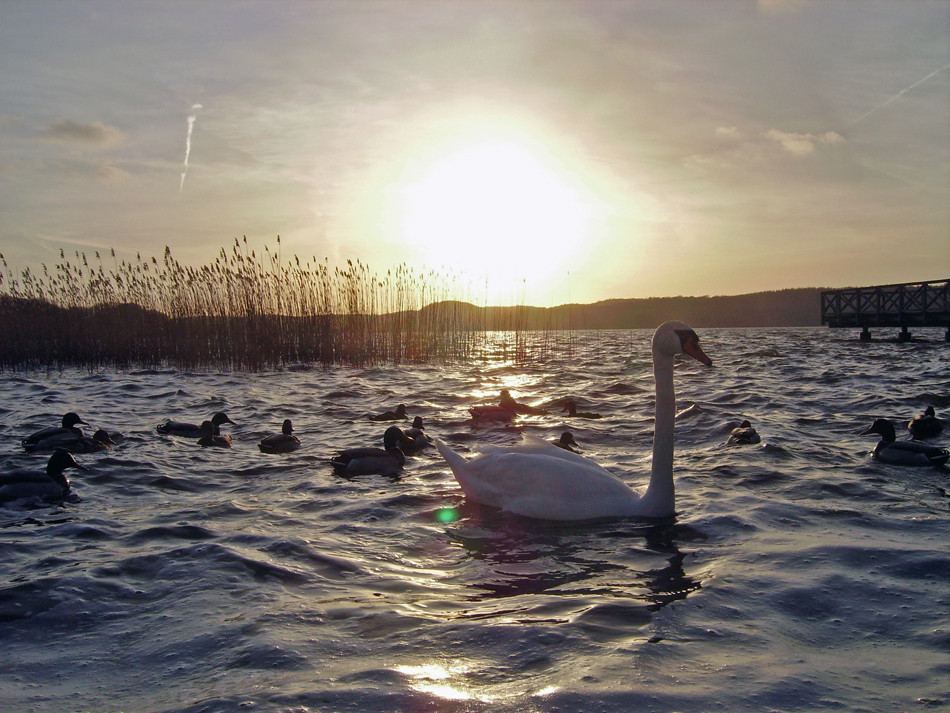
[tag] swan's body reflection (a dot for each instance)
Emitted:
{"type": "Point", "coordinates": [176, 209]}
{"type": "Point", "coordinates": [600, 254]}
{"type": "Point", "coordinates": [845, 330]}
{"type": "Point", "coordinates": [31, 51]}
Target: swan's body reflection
{"type": "Point", "coordinates": [578, 565]}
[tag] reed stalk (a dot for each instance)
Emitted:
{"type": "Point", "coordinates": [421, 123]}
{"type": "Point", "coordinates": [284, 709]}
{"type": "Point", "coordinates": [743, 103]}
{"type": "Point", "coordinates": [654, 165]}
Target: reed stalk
{"type": "Point", "coordinates": [245, 312]}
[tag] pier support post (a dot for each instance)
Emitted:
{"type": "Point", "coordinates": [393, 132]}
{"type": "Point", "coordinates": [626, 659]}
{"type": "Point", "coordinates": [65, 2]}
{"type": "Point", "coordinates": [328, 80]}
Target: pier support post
{"type": "Point", "coordinates": [946, 336]}
{"type": "Point", "coordinates": [904, 336]}
{"type": "Point", "coordinates": [865, 334]}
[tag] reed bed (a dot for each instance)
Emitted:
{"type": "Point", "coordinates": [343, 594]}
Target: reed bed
{"type": "Point", "coordinates": [244, 312]}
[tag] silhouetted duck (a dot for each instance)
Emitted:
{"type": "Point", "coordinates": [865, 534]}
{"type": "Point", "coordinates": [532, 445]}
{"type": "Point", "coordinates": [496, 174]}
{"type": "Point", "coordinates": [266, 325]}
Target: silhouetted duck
{"type": "Point", "coordinates": [210, 438]}
{"type": "Point", "coordinates": [926, 425]}
{"type": "Point", "coordinates": [51, 485]}
{"type": "Point", "coordinates": [50, 438]}
{"type": "Point", "coordinates": [507, 401]}
{"type": "Point", "coordinates": [571, 407]}
{"type": "Point", "coordinates": [398, 415]}
{"type": "Point", "coordinates": [567, 442]}
{"type": "Point", "coordinates": [415, 438]}
{"type": "Point", "coordinates": [388, 460]}
{"type": "Point", "coordinates": [192, 430]}
{"type": "Point", "coordinates": [889, 450]}
{"type": "Point", "coordinates": [283, 442]}
{"type": "Point", "coordinates": [743, 434]}
{"type": "Point", "coordinates": [100, 441]}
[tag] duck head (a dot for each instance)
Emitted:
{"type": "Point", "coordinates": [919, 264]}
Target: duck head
{"type": "Point", "coordinates": [287, 428]}
{"type": "Point", "coordinates": [883, 428]}
{"type": "Point", "coordinates": [219, 418]}
{"type": "Point", "coordinates": [71, 419]}
{"type": "Point", "coordinates": [392, 438]}
{"type": "Point", "coordinates": [103, 437]}
{"type": "Point", "coordinates": [60, 460]}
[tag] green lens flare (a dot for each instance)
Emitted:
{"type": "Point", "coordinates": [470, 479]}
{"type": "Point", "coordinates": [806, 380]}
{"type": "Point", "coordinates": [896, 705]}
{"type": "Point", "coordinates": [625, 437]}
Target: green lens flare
{"type": "Point", "coordinates": [447, 515]}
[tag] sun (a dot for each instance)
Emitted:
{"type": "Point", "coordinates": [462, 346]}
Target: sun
{"type": "Point", "coordinates": [498, 209]}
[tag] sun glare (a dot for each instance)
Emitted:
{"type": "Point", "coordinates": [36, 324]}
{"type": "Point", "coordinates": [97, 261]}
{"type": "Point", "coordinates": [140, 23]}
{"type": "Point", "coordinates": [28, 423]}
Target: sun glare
{"type": "Point", "coordinates": [496, 209]}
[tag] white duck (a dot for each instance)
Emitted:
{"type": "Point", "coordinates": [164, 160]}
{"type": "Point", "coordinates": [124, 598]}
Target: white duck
{"type": "Point", "coordinates": [537, 479]}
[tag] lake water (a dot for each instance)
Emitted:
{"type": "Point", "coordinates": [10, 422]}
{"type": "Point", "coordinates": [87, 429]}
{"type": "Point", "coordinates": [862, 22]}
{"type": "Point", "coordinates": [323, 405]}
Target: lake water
{"type": "Point", "coordinates": [798, 574]}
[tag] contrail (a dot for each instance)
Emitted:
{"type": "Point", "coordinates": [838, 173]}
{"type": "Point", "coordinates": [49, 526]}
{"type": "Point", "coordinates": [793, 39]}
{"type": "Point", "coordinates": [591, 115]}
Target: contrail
{"type": "Point", "coordinates": [195, 108]}
{"type": "Point", "coordinates": [898, 95]}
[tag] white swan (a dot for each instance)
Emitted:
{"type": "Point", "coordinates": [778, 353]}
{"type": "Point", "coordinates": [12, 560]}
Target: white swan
{"type": "Point", "coordinates": [537, 479]}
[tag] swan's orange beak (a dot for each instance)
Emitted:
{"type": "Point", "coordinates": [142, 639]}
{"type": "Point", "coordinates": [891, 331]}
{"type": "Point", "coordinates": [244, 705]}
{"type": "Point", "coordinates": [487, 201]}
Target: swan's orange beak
{"type": "Point", "coordinates": [692, 348]}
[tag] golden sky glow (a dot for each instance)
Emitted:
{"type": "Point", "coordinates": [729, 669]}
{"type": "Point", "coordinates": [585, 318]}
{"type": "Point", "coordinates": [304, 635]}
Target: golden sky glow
{"type": "Point", "coordinates": [553, 152]}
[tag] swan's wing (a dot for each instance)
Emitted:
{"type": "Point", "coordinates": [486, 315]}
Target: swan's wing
{"type": "Point", "coordinates": [548, 487]}
{"type": "Point", "coordinates": [532, 445]}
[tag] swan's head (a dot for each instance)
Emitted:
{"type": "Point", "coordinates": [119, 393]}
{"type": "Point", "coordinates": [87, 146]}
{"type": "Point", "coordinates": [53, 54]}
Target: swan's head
{"type": "Point", "coordinates": [672, 338]}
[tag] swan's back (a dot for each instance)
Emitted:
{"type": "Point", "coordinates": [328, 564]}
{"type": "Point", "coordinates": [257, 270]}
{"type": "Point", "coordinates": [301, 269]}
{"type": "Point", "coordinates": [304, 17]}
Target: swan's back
{"type": "Point", "coordinates": [537, 479]}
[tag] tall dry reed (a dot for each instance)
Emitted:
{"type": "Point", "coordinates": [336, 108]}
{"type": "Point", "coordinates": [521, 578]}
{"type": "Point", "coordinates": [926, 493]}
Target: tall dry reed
{"type": "Point", "coordinates": [243, 312]}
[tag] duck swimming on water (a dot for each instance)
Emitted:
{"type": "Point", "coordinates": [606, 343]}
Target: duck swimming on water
{"type": "Point", "coordinates": [506, 400]}
{"type": "Point", "coordinates": [388, 460]}
{"type": "Point", "coordinates": [209, 438]}
{"type": "Point", "coordinates": [926, 425]}
{"type": "Point", "coordinates": [894, 452]}
{"type": "Point", "coordinates": [539, 480]}
{"type": "Point", "coordinates": [567, 442]}
{"type": "Point", "coordinates": [49, 438]}
{"type": "Point", "coordinates": [571, 407]}
{"type": "Point", "coordinates": [192, 430]}
{"type": "Point", "coordinates": [51, 485]}
{"type": "Point", "coordinates": [283, 442]}
{"type": "Point", "coordinates": [100, 441]}
{"type": "Point", "coordinates": [744, 434]}
{"type": "Point", "coordinates": [399, 414]}
{"type": "Point", "coordinates": [415, 438]}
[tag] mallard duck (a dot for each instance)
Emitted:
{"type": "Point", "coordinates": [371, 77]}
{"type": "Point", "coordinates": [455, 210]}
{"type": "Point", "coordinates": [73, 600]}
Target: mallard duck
{"type": "Point", "coordinates": [506, 400]}
{"type": "Point", "coordinates": [567, 442]}
{"type": "Point", "coordinates": [926, 425]}
{"type": "Point", "coordinates": [537, 479]}
{"type": "Point", "coordinates": [100, 441]}
{"type": "Point", "coordinates": [399, 414]}
{"type": "Point", "coordinates": [388, 460]}
{"type": "Point", "coordinates": [743, 434]}
{"type": "Point", "coordinates": [282, 442]}
{"type": "Point", "coordinates": [415, 438]}
{"type": "Point", "coordinates": [49, 438]}
{"type": "Point", "coordinates": [571, 407]}
{"type": "Point", "coordinates": [51, 485]}
{"type": "Point", "coordinates": [192, 430]}
{"type": "Point", "coordinates": [894, 452]}
{"type": "Point", "coordinates": [211, 439]}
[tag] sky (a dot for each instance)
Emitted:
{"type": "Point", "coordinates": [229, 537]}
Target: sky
{"type": "Point", "coordinates": [527, 152]}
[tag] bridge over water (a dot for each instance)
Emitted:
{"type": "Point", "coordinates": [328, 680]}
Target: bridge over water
{"type": "Point", "coordinates": [910, 304]}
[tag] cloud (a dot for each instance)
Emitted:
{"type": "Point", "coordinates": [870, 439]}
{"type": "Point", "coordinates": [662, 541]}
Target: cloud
{"type": "Point", "coordinates": [801, 144]}
{"type": "Point", "coordinates": [94, 134]}
{"type": "Point", "coordinates": [111, 174]}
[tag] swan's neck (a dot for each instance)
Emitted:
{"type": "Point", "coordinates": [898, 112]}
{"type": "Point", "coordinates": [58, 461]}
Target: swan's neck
{"type": "Point", "coordinates": [660, 496]}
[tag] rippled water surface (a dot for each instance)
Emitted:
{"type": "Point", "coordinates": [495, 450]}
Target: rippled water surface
{"type": "Point", "coordinates": [798, 574]}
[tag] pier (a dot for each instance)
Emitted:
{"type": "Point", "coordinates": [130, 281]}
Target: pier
{"type": "Point", "coordinates": [911, 304]}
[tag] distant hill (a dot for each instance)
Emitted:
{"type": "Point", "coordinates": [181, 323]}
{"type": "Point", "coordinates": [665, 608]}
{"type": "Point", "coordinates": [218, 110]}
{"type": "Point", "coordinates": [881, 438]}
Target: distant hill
{"type": "Point", "coordinates": [784, 308]}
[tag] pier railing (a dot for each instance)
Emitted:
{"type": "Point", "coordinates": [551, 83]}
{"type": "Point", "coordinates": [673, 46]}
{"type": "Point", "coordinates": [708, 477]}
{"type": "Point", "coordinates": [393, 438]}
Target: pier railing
{"type": "Point", "coordinates": [910, 304]}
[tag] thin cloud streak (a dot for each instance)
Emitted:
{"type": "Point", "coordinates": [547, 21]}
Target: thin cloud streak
{"type": "Point", "coordinates": [195, 108]}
